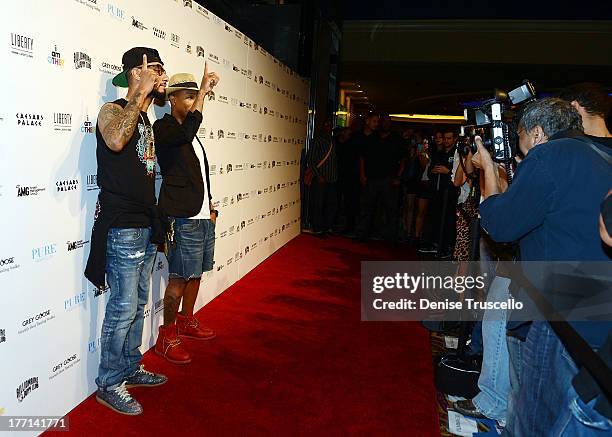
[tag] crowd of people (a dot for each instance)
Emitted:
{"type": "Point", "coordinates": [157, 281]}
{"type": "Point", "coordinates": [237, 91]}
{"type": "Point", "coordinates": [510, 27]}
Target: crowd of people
{"type": "Point", "coordinates": [536, 377]}
{"type": "Point", "coordinates": [371, 182]}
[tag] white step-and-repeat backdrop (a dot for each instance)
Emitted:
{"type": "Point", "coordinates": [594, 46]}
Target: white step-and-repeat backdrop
{"type": "Point", "coordinates": [57, 61]}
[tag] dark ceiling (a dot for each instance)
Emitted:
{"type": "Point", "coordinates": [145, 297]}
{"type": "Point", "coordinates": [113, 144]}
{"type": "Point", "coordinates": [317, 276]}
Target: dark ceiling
{"type": "Point", "coordinates": [433, 66]}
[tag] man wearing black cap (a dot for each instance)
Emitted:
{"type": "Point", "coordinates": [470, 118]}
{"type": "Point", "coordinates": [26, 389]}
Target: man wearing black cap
{"type": "Point", "coordinates": [125, 227]}
{"type": "Point", "coordinates": [185, 197]}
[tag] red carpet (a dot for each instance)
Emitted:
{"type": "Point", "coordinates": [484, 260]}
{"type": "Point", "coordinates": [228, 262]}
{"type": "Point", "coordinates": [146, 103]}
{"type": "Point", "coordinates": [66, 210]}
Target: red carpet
{"type": "Point", "coordinates": [291, 358]}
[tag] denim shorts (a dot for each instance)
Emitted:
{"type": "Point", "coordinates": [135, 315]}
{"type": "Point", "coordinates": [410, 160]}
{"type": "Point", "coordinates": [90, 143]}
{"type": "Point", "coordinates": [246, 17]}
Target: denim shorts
{"type": "Point", "coordinates": [194, 248]}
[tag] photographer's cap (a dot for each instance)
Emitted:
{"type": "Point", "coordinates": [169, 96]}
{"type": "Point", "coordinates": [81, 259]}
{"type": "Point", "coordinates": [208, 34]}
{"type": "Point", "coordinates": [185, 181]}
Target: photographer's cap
{"type": "Point", "coordinates": [133, 58]}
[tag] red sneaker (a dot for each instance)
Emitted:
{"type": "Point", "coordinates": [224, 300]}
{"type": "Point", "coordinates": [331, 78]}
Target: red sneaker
{"type": "Point", "coordinates": [189, 326]}
{"type": "Point", "coordinates": [168, 345]}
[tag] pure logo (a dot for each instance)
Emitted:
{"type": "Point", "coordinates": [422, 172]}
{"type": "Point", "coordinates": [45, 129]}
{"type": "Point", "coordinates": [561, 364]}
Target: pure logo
{"type": "Point", "coordinates": [115, 12]}
{"type": "Point", "coordinates": [44, 252]}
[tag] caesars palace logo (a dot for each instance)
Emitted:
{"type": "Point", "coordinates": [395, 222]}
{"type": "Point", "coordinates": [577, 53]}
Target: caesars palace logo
{"type": "Point", "coordinates": [22, 45]}
{"type": "Point", "coordinates": [67, 185]}
{"type": "Point", "coordinates": [30, 120]}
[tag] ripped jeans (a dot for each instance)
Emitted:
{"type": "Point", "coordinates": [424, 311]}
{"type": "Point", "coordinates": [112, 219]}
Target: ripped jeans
{"type": "Point", "coordinates": [129, 262]}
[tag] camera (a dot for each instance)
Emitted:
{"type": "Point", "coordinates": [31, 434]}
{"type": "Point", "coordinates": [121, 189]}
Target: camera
{"type": "Point", "coordinates": [496, 123]}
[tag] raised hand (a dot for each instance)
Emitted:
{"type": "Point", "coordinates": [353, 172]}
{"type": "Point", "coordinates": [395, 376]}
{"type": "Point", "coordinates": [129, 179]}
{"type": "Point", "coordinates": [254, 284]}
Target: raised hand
{"type": "Point", "coordinates": [148, 80]}
{"type": "Point", "coordinates": [209, 80]}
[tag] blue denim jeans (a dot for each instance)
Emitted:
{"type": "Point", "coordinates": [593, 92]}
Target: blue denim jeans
{"type": "Point", "coordinates": [494, 380]}
{"type": "Point", "coordinates": [547, 405]}
{"type": "Point", "coordinates": [129, 262]}
{"type": "Point", "coordinates": [194, 250]}
{"type": "Point", "coordinates": [515, 348]}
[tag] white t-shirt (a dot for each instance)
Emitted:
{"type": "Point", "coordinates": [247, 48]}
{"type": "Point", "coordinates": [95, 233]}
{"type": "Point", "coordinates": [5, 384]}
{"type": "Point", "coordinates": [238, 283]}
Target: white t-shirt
{"type": "Point", "coordinates": [465, 188]}
{"type": "Point", "coordinates": [205, 211]}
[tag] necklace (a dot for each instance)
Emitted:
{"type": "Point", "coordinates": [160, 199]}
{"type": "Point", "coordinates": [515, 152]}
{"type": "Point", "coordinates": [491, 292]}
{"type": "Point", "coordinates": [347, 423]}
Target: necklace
{"type": "Point", "coordinates": [149, 152]}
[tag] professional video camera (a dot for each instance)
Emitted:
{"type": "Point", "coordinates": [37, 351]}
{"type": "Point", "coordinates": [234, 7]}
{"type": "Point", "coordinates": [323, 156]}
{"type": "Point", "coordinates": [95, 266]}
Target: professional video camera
{"type": "Point", "coordinates": [496, 123]}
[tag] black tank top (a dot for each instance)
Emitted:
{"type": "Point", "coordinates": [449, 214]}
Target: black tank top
{"type": "Point", "coordinates": [130, 173]}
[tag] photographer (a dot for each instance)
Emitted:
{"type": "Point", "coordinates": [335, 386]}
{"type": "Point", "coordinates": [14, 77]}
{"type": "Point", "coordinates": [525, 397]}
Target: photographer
{"type": "Point", "coordinates": [552, 209]}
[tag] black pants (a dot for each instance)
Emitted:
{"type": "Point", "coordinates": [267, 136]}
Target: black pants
{"type": "Point", "coordinates": [350, 187]}
{"type": "Point", "coordinates": [442, 213]}
{"type": "Point", "coordinates": [384, 191]}
{"type": "Point", "coordinates": [325, 205]}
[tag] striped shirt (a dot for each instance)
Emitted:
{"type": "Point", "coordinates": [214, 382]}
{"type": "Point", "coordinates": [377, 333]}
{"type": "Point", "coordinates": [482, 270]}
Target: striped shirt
{"type": "Point", "coordinates": [318, 150]}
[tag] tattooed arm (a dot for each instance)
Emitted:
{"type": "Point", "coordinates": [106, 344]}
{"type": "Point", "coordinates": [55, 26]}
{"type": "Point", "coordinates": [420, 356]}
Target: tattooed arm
{"type": "Point", "coordinates": [117, 124]}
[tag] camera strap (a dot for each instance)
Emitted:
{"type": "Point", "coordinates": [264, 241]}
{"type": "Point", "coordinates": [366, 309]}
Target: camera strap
{"type": "Point", "coordinates": [593, 145]}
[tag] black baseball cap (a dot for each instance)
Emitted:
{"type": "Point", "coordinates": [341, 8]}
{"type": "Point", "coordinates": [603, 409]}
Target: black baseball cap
{"type": "Point", "coordinates": [133, 58]}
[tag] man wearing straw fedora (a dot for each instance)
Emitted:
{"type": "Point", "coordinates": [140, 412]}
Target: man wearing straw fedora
{"type": "Point", "coordinates": [185, 198]}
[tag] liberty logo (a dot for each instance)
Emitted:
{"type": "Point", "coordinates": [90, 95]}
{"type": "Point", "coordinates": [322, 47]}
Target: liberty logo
{"type": "Point", "coordinates": [62, 121]}
{"type": "Point", "coordinates": [22, 45]}
{"type": "Point", "coordinates": [175, 40]}
{"type": "Point", "coordinates": [56, 58]}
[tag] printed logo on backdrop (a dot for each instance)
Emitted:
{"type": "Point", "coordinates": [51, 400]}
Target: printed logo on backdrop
{"type": "Point", "coordinates": [82, 60]}
{"type": "Point", "coordinates": [200, 51]}
{"type": "Point", "coordinates": [188, 48]}
{"type": "Point", "coordinates": [2, 335]}
{"type": "Point", "coordinates": [62, 121]}
{"type": "Point", "coordinates": [115, 12]}
{"type": "Point", "coordinates": [64, 365]}
{"type": "Point", "coordinates": [159, 33]}
{"type": "Point", "coordinates": [202, 11]}
{"type": "Point", "coordinates": [213, 58]}
{"type": "Point", "coordinates": [56, 57]}
{"type": "Point", "coordinates": [92, 182]}
{"type": "Point", "coordinates": [91, 4]}
{"type": "Point", "coordinates": [32, 190]}
{"type": "Point", "coordinates": [175, 40]}
{"type": "Point", "coordinates": [138, 24]}
{"type": "Point", "coordinates": [158, 306]}
{"type": "Point", "coordinates": [76, 301]}
{"type": "Point", "coordinates": [188, 3]}
{"type": "Point", "coordinates": [94, 345]}
{"type": "Point", "coordinates": [64, 185]}
{"type": "Point", "coordinates": [75, 245]}
{"type": "Point", "coordinates": [35, 321]}
{"type": "Point", "coordinates": [28, 119]}
{"type": "Point", "coordinates": [87, 127]}
{"type": "Point", "coordinates": [27, 387]}
{"type": "Point", "coordinates": [22, 45]}
{"type": "Point", "coordinates": [44, 252]}
{"type": "Point", "coordinates": [108, 68]}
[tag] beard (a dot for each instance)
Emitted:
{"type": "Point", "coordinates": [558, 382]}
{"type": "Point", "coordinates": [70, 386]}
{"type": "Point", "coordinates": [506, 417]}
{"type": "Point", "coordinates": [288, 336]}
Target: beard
{"type": "Point", "coordinates": [157, 95]}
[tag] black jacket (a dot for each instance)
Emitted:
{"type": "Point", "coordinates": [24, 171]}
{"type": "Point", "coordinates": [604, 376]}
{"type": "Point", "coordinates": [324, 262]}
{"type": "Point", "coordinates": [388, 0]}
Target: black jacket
{"type": "Point", "coordinates": [182, 189]}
